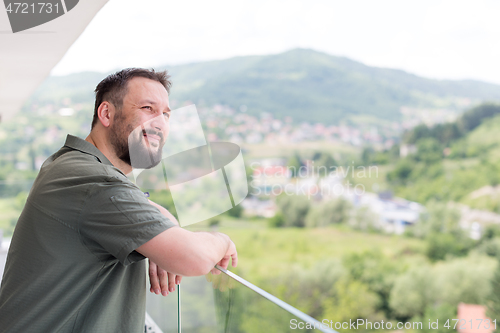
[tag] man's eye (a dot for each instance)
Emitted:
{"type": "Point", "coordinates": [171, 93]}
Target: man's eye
{"type": "Point", "coordinates": [147, 107]}
{"type": "Point", "coordinates": [167, 115]}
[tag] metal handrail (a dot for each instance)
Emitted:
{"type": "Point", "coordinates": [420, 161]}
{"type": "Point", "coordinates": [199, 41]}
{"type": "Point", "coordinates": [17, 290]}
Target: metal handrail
{"type": "Point", "coordinates": [287, 307]}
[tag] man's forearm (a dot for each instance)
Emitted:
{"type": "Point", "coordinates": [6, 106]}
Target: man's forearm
{"type": "Point", "coordinates": [219, 245]}
{"type": "Point", "coordinates": [215, 248]}
{"type": "Point", "coordinates": [187, 253]}
{"type": "Point", "coordinates": [209, 248]}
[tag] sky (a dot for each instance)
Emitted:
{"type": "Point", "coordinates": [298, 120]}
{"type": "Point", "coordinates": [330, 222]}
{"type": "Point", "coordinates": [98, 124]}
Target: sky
{"type": "Point", "coordinates": [442, 39]}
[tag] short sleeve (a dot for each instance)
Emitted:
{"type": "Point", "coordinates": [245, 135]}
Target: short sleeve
{"type": "Point", "coordinates": [117, 219]}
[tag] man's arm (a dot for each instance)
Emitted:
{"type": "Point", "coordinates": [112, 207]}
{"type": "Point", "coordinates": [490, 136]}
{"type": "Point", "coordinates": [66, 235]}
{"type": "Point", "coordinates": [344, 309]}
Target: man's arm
{"type": "Point", "coordinates": [165, 212]}
{"type": "Point", "coordinates": [186, 253]}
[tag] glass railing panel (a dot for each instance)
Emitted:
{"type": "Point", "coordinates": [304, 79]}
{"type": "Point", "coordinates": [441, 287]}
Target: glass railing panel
{"type": "Point", "coordinates": [245, 308]}
{"type": "Point", "coordinates": [163, 311]}
{"type": "Point", "coordinates": [197, 307]}
{"type": "Point", "coordinates": [221, 304]}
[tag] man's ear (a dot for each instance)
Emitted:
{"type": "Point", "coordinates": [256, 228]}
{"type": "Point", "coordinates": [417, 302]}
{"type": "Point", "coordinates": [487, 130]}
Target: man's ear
{"type": "Point", "coordinates": [104, 113]}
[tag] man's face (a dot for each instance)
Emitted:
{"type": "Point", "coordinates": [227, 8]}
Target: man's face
{"type": "Point", "coordinates": [139, 130]}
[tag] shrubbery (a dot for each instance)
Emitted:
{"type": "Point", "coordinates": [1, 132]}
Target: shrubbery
{"type": "Point", "coordinates": [374, 286]}
{"type": "Point", "coordinates": [301, 211]}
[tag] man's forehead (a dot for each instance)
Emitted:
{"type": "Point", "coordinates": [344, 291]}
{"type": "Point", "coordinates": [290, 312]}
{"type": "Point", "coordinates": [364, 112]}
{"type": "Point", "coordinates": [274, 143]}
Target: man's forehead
{"type": "Point", "coordinates": [145, 89]}
{"type": "Point", "coordinates": [139, 82]}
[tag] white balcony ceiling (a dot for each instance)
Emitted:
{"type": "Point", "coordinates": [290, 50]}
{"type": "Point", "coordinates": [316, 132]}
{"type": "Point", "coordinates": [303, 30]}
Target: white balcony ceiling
{"type": "Point", "coordinates": [27, 57]}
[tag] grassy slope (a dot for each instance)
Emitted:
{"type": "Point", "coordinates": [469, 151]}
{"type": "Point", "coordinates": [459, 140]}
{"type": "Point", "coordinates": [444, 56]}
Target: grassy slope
{"type": "Point", "coordinates": [265, 252]}
{"type": "Point", "coordinates": [485, 140]}
{"type": "Point", "coordinates": [473, 164]}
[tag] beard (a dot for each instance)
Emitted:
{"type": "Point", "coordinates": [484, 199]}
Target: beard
{"type": "Point", "coordinates": [132, 146]}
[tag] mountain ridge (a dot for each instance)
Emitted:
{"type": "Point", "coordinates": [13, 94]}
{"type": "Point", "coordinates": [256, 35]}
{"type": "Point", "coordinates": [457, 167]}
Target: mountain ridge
{"type": "Point", "coordinates": [305, 84]}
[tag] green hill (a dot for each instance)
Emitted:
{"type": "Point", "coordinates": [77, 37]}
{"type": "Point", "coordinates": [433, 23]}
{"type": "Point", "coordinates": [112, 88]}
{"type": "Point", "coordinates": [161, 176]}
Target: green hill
{"type": "Point", "coordinates": [301, 83]}
{"type": "Point", "coordinates": [317, 87]}
{"type": "Point", "coordinates": [451, 161]}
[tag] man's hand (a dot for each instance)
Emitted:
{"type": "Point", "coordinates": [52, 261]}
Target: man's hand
{"type": "Point", "coordinates": [224, 262]}
{"type": "Point", "coordinates": [162, 281]}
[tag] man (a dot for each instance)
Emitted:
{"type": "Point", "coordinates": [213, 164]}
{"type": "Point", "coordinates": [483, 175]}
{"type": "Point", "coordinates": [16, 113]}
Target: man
{"type": "Point", "coordinates": [75, 263]}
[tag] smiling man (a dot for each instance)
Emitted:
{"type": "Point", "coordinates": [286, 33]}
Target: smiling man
{"type": "Point", "coordinates": [76, 260]}
{"type": "Point", "coordinates": [140, 123]}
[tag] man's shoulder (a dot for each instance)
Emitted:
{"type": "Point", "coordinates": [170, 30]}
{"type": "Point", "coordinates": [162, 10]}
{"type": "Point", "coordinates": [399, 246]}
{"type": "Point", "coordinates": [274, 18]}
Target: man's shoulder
{"type": "Point", "coordinates": [75, 172]}
{"type": "Point", "coordinates": [77, 176]}
{"type": "Point", "coordinates": [68, 161]}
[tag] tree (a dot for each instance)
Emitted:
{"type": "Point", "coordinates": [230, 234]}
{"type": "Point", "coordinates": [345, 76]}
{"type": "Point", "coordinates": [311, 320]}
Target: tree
{"type": "Point", "coordinates": [473, 117]}
{"type": "Point", "coordinates": [402, 172]}
{"type": "Point", "coordinates": [367, 155]}
{"type": "Point", "coordinates": [412, 292]}
{"type": "Point", "coordinates": [294, 164]}
{"type": "Point", "coordinates": [376, 271]}
{"type": "Point", "coordinates": [417, 133]}
{"type": "Point", "coordinates": [464, 280]}
{"type": "Point", "coordinates": [293, 208]}
{"type": "Point", "coordinates": [353, 300]}
{"type": "Point", "coordinates": [429, 151]}
{"type": "Point", "coordinates": [328, 212]}
{"type": "Point", "coordinates": [364, 219]}
{"type": "Point", "coordinates": [308, 289]}
{"type": "Point", "coordinates": [439, 246]}
{"type": "Point", "coordinates": [277, 220]}
{"type": "Point", "coordinates": [325, 160]}
{"type": "Point", "coordinates": [439, 218]}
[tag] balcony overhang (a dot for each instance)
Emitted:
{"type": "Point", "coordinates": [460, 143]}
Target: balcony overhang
{"type": "Point", "coordinates": [27, 57]}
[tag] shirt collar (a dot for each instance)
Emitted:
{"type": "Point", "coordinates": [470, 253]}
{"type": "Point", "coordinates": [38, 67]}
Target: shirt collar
{"type": "Point", "coordinates": [86, 147]}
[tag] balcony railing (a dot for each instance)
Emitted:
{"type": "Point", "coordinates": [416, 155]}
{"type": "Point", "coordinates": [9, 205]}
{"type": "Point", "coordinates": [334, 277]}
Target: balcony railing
{"type": "Point", "coordinates": [226, 304]}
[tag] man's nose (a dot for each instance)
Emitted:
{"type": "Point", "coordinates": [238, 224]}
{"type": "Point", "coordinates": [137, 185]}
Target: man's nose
{"type": "Point", "coordinates": [160, 123]}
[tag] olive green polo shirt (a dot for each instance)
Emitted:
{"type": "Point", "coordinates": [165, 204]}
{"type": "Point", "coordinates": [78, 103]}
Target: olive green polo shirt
{"type": "Point", "coordinates": [72, 264]}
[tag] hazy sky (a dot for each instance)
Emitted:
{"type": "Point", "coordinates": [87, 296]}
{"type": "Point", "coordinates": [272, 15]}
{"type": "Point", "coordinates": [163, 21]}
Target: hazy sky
{"type": "Point", "coordinates": [446, 39]}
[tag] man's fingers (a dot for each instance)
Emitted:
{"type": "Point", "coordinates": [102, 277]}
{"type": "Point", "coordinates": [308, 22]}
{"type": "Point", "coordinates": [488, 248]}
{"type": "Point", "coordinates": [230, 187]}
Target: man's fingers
{"type": "Point", "coordinates": [163, 276]}
{"type": "Point", "coordinates": [153, 278]}
{"type": "Point", "coordinates": [232, 255]}
{"type": "Point", "coordinates": [224, 262]}
{"type": "Point", "coordinates": [234, 259]}
{"type": "Point", "coordinates": [171, 282]}
{"type": "Point", "coordinates": [162, 281]}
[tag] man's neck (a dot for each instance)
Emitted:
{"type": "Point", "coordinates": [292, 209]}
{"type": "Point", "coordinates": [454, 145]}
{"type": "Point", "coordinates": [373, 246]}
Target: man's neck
{"type": "Point", "coordinates": [107, 150]}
